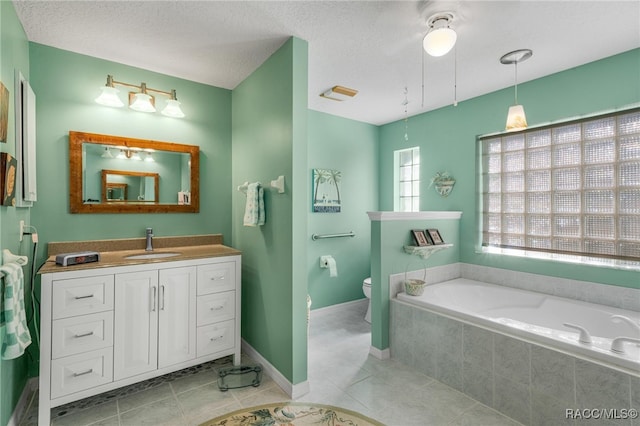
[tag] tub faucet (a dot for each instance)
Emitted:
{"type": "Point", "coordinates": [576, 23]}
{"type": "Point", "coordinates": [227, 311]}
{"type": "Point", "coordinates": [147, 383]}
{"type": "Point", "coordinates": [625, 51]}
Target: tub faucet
{"type": "Point", "coordinates": [617, 344]}
{"type": "Point", "coordinates": [149, 239]}
{"type": "Point", "coordinates": [585, 337]}
{"type": "Point", "coordinates": [622, 318]}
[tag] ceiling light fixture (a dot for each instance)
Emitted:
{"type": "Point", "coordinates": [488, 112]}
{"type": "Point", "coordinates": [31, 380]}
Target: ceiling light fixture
{"type": "Point", "coordinates": [139, 101]}
{"type": "Point", "coordinates": [441, 38]}
{"type": "Point", "coordinates": [339, 93]}
{"type": "Point", "coordinates": [516, 119]}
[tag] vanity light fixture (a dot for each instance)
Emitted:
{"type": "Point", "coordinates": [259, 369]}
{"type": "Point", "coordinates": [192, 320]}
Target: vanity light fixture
{"type": "Point", "coordinates": [441, 38]}
{"type": "Point", "coordinates": [107, 153]}
{"type": "Point", "coordinates": [149, 157]}
{"type": "Point", "coordinates": [139, 101]}
{"type": "Point", "coordinates": [516, 119]}
{"type": "Point", "coordinates": [129, 154]}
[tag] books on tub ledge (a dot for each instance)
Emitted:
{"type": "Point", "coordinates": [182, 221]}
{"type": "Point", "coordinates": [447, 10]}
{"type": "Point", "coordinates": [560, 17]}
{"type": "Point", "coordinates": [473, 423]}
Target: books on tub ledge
{"type": "Point", "coordinates": [426, 251]}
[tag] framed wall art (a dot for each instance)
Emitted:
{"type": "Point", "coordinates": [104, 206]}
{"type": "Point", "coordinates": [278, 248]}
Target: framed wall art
{"type": "Point", "coordinates": [4, 112]}
{"type": "Point", "coordinates": [8, 166]}
{"type": "Point", "coordinates": [420, 238]}
{"type": "Point", "coordinates": [434, 236]}
{"type": "Point", "coordinates": [326, 191]}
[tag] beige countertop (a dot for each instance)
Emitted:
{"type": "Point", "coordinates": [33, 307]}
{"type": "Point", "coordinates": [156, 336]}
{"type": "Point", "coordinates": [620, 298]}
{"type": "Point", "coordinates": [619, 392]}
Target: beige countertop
{"type": "Point", "coordinates": [117, 251]}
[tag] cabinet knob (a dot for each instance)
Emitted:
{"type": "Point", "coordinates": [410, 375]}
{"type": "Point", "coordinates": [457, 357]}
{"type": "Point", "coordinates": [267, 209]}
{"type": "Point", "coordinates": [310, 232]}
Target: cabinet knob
{"type": "Point", "coordinates": [220, 277]}
{"type": "Point", "coordinates": [215, 339]}
{"type": "Point", "coordinates": [83, 335]}
{"type": "Point", "coordinates": [217, 308]}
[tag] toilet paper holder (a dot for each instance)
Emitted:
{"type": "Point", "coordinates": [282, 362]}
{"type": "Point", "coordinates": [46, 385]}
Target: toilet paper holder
{"type": "Point", "coordinates": [328, 262]}
{"type": "Point", "coordinates": [324, 261]}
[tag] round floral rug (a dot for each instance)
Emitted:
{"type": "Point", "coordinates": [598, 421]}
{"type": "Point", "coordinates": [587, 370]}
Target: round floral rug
{"type": "Point", "coordinates": [292, 413]}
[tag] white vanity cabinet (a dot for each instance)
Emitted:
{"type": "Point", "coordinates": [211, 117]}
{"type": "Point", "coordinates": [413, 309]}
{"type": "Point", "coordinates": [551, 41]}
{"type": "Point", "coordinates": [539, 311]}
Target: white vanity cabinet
{"type": "Point", "coordinates": [103, 328]}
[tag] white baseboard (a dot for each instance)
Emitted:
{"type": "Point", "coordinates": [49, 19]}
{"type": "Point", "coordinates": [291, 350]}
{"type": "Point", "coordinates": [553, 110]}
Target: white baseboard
{"type": "Point", "coordinates": [294, 391]}
{"type": "Point", "coordinates": [380, 353]}
{"type": "Point", "coordinates": [339, 306]}
{"type": "Point", "coordinates": [23, 403]}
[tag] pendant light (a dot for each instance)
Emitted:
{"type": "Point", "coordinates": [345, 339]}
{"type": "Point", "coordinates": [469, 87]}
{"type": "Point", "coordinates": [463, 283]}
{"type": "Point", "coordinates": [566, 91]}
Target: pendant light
{"type": "Point", "coordinates": [516, 119]}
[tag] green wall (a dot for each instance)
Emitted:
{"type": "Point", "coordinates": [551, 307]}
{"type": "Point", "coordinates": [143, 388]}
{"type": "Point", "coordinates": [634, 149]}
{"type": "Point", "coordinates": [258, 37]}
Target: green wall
{"type": "Point", "coordinates": [352, 148]}
{"type": "Point", "coordinates": [269, 140]}
{"type": "Point", "coordinates": [66, 85]}
{"type": "Point", "coordinates": [14, 54]}
{"type": "Point", "coordinates": [447, 140]}
{"type": "Point", "coordinates": [388, 238]}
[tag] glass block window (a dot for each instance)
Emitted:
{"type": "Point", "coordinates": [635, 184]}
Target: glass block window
{"type": "Point", "coordinates": [571, 188]}
{"type": "Point", "coordinates": [407, 180]}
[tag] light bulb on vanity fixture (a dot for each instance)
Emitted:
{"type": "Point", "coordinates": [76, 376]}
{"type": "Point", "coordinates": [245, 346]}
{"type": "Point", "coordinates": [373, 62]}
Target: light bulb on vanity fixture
{"type": "Point", "coordinates": [107, 153]}
{"type": "Point", "coordinates": [441, 38]}
{"type": "Point", "coordinates": [141, 100]}
{"type": "Point", "coordinates": [516, 119]}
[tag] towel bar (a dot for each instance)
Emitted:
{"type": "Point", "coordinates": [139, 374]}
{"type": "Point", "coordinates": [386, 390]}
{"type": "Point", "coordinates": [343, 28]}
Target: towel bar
{"type": "Point", "coordinates": [345, 234]}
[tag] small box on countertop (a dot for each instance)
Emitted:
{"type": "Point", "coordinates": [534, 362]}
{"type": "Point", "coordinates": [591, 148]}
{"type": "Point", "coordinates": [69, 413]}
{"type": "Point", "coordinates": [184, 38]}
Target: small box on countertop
{"type": "Point", "coordinates": [68, 259]}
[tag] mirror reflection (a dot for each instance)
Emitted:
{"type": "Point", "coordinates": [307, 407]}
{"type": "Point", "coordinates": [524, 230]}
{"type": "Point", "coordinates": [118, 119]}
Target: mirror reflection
{"type": "Point", "coordinates": [112, 174]}
{"type": "Point", "coordinates": [119, 186]}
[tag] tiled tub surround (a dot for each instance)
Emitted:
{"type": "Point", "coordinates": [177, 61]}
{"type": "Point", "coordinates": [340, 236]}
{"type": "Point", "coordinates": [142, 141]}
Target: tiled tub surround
{"type": "Point", "coordinates": [527, 382]}
{"type": "Point", "coordinates": [524, 380]}
{"type": "Point", "coordinates": [538, 318]}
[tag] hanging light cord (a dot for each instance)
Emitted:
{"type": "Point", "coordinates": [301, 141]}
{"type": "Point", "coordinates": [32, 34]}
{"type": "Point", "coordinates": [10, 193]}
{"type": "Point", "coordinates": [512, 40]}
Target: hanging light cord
{"type": "Point", "coordinates": [422, 77]}
{"type": "Point", "coordinates": [406, 116]}
{"type": "Point", "coordinates": [455, 76]}
{"type": "Point", "coordinates": [516, 84]}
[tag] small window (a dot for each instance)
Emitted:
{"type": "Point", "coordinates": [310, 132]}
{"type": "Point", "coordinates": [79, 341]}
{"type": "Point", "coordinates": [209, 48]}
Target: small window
{"type": "Point", "coordinates": [407, 180]}
{"type": "Point", "coordinates": [571, 188]}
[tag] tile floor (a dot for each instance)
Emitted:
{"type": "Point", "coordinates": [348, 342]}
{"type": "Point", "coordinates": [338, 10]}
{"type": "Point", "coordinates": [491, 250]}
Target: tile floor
{"type": "Point", "coordinates": [340, 373]}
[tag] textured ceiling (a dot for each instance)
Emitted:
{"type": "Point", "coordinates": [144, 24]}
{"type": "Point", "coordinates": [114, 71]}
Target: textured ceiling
{"type": "Point", "coordinates": [371, 46]}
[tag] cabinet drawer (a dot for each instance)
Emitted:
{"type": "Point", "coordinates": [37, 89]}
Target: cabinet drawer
{"type": "Point", "coordinates": [216, 277]}
{"type": "Point", "coordinates": [215, 337]}
{"type": "Point", "coordinates": [216, 307]}
{"type": "Point", "coordinates": [79, 372]}
{"type": "Point", "coordinates": [84, 333]}
{"type": "Point", "coordinates": [80, 296]}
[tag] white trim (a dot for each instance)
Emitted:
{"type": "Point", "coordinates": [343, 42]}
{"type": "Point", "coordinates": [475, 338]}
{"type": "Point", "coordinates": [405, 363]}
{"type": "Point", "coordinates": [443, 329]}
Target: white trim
{"type": "Point", "coordinates": [294, 391]}
{"type": "Point", "coordinates": [23, 403]}
{"type": "Point", "coordinates": [381, 354]}
{"type": "Point", "coordinates": [390, 216]}
{"type": "Point", "coordinates": [339, 306]}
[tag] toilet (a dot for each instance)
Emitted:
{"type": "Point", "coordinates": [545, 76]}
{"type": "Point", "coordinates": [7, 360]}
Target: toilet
{"type": "Point", "coordinates": [366, 289]}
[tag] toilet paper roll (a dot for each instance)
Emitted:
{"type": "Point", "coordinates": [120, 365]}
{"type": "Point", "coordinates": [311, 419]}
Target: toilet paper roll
{"type": "Point", "coordinates": [333, 269]}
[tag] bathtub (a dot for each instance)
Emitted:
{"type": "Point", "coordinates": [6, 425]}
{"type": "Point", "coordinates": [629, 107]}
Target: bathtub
{"type": "Point", "coordinates": [536, 318]}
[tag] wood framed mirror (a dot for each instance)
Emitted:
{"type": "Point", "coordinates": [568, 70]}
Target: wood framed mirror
{"type": "Point", "coordinates": [157, 176]}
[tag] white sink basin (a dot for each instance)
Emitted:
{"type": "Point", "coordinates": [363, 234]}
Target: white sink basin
{"type": "Point", "coordinates": [152, 255]}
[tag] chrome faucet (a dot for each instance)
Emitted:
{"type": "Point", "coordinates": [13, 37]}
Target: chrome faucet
{"type": "Point", "coordinates": [149, 239]}
{"type": "Point", "coordinates": [585, 337]}
{"type": "Point", "coordinates": [617, 344]}
{"type": "Point", "coordinates": [627, 320]}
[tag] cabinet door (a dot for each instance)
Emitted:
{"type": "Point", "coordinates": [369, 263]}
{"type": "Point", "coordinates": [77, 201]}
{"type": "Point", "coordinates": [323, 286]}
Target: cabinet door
{"type": "Point", "coordinates": [135, 348]}
{"type": "Point", "coordinates": [177, 315]}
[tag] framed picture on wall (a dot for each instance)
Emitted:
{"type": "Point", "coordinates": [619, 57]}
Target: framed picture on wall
{"type": "Point", "coordinates": [4, 112]}
{"type": "Point", "coordinates": [434, 236]}
{"type": "Point", "coordinates": [326, 191]}
{"type": "Point", "coordinates": [8, 166]}
{"type": "Point", "coordinates": [420, 238]}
